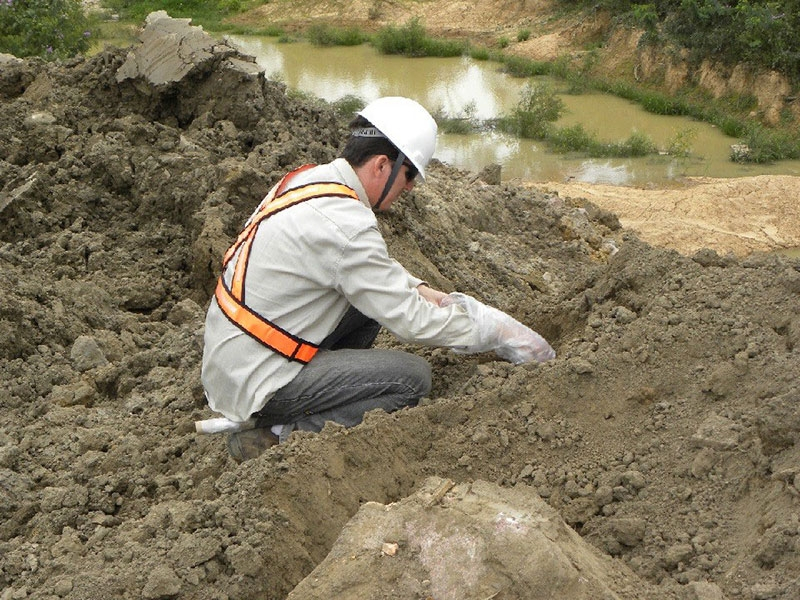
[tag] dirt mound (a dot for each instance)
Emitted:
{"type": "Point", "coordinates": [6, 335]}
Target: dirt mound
{"type": "Point", "coordinates": [665, 433]}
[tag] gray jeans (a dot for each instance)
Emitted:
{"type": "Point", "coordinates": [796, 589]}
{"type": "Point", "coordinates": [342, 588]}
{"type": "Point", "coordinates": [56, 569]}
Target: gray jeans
{"type": "Point", "coordinates": [346, 379]}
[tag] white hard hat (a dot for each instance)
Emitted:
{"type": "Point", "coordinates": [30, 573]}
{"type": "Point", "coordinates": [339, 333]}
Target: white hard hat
{"type": "Point", "coordinates": [407, 125]}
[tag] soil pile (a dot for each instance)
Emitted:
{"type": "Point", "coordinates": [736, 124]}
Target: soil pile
{"type": "Point", "coordinates": [665, 433]}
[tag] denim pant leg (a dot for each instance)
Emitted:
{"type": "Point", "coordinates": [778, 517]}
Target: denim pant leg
{"type": "Point", "coordinates": [342, 385]}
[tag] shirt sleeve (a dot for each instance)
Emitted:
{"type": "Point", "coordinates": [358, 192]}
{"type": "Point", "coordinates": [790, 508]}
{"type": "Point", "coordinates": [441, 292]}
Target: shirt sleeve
{"type": "Point", "coordinates": [383, 290]}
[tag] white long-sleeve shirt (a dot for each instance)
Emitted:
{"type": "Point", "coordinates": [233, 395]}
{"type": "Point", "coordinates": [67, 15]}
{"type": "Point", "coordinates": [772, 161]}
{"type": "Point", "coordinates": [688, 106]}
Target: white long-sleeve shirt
{"type": "Point", "coordinates": [307, 264]}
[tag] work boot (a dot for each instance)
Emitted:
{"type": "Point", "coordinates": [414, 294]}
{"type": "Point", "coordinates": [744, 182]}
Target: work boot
{"type": "Point", "coordinates": [244, 445]}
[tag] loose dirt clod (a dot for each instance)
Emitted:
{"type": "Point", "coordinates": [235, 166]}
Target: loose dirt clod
{"type": "Point", "coordinates": [665, 433]}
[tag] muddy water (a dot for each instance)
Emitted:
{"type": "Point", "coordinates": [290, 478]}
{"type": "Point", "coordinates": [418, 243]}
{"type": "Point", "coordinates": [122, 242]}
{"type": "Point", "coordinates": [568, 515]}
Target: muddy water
{"type": "Point", "coordinates": [464, 87]}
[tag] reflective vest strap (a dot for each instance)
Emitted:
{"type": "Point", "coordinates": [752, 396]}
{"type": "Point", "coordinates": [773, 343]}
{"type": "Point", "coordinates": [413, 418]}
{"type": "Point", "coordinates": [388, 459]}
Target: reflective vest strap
{"type": "Point", "coordinates": [264, 331]}
{"type": "Point", "coordinates": [276, 190]}
{"type": "Point", "coordinates": [285, 200]}
{"type": "Point", "coordinates": [232, 302]}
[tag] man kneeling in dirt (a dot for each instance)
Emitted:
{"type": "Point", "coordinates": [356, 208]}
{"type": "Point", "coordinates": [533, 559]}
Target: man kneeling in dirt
{"type": "Point", "coordinates": [309, 283]}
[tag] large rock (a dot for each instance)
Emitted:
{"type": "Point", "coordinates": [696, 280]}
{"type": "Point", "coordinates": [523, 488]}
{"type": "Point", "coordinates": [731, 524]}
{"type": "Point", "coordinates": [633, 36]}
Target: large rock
{"type": "Point", "coordinates": [169, 49]}
{"type": "Point", "coordinates": [465, 541]}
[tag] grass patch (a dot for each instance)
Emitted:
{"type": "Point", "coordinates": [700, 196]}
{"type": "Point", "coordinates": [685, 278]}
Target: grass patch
{"type": "Point", "coordinates": [275, 31]}
{"type": "Point", "coordinates": [768, 145]}
{"type": "Point", "coordinates": [576, 139]}
{"type": "Point", "coordinates": [412, 40]}
{"type": "Point", "coordinates": [516, 66]}
{"type": "Point", "coordinates": [117, 34]}
{"type": "Point", "coordinates": [327, 35]}
{"type": "Point", "coordinates": [481, 54]}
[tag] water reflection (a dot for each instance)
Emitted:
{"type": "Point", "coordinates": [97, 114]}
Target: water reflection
{"type": "Point", "coordinates": [604, 172]}
{"type": "Point", "coordinates": [451, 85]}
{"type": "Point", "coordinates": [462, 87]}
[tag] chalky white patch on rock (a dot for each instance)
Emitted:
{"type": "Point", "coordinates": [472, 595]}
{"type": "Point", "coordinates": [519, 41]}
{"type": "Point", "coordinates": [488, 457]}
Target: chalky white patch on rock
{"type": "Point", "coordinates": [471, 540]}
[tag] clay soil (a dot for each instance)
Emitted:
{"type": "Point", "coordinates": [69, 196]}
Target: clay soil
{"type": "Point", "coordinates": [666, 432]}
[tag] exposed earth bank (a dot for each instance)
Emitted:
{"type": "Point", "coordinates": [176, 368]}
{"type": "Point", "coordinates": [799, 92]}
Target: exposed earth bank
{"type": "Point", "coordinates": [665, 433]}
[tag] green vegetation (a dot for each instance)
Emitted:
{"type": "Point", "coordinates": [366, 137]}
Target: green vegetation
{"type": "Point", "coordinates": [209, 14]}
{"type": "Point", "coordinates": [411, 39]}
{"type": "Point", "coordinates": [461, 124]}
{"type": "Point", "coordinates": [577, 139]}
{"type": "Point", "coordinates": [534, 116]}
{"type": "Point", "coordinates": [46, 28]}
{"type": "Point", "coordinates": [762, 33]}
{"type": "Point", "coordinates": [347, 106]}
{"type": "Point", "coordinates": [768, 145]}
{"type": "Point", "coordinates": [327, 35]}
{"type": "Point", "coordinates": [680, 145]}
{"type": "Point", "coordinates": [537, 108]}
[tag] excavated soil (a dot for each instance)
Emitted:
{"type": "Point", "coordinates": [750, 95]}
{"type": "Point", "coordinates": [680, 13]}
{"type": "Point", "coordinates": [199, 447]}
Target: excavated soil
{"type": "Point", "coordinates": [665, 433]}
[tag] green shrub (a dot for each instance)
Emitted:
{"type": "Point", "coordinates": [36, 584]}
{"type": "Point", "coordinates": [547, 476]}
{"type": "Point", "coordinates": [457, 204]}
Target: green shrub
{"type": "Point", "coordinates": [479, 53]}
{"type": "Point", "coordinates": [412, 40]}
{"type": "Point", "coordinates": [347, 106]}
{"type": "Point", "coordinates": [573, 138]}
{"type": "Point", "coordinates": [327, 35]}
{"type": "Point", "coordinates": [462, 124]}
{"type": "Point", "coordinates": [537, 108]}
{"type": "Point", "coordinates": [680, 145]}
{"type": "Point", "coordinates": [523, 35]}
{"type": "Point", "coordinates": [768, 145]}
{"type": "Point", "coordinates": [637, 144]}
{"type": "Point", "coordinates": [516, 66]}
{"type": "Point", "coordinates": [46, 28]}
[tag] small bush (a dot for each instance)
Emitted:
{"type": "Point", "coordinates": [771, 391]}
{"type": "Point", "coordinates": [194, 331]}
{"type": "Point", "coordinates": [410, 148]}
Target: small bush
{"type": "Point", "coordinates": [768, 145]}
{"type": "Point", "coordinates": [523, 35]}
{"type": "Point", "coordinates": [462, 124]}
{"type": "Point", "coordinates": [412, 40]}
{"type": "Point", "coordinates": [347, 106]}
{"type": "Point", "coordinates": [538, 107]}
{"type": "Point", "coordinates": [517, 66]}
{"type": "Point", "coordinates": [576, 139]}
{"type": "Point", "coordinates": [680, 145]}
{"type": "Point", "coordinates": [479, 54]}
{"type": "Point", "coordinates": [571, 139]}
{"type": "Point", "coordinates": [327, 35]}
{"type": "Point", "coordinates": [46, 28]}
{"type": "Point", "coordinates": [637, 144]}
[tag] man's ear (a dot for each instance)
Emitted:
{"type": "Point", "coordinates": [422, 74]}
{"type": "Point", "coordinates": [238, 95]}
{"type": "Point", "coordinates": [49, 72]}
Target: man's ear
{"type": "Point", "coordinates": [381, 162]}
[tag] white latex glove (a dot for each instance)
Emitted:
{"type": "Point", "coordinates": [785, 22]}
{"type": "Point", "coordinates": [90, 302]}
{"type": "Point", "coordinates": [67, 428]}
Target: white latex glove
{"type": "Point", "coordinates": [501, 333]}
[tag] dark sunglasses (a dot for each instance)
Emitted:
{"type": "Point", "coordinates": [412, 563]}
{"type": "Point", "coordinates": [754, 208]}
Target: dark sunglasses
{"type": "Point", "coordinates": [411, 171]}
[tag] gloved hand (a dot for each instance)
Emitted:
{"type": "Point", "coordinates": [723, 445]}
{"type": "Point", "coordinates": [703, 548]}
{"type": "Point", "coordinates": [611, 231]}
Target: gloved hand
{"type": "Point", "coordinates": [501, 333]}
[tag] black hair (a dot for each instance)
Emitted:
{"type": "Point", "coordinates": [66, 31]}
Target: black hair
{"type": "Point", "coordinates": [358, 150]}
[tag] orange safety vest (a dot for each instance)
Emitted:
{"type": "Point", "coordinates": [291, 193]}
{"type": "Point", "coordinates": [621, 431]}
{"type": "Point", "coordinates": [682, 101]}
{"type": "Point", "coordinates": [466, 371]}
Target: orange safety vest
{"type": "Point", "coordinates": [231, 299]}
